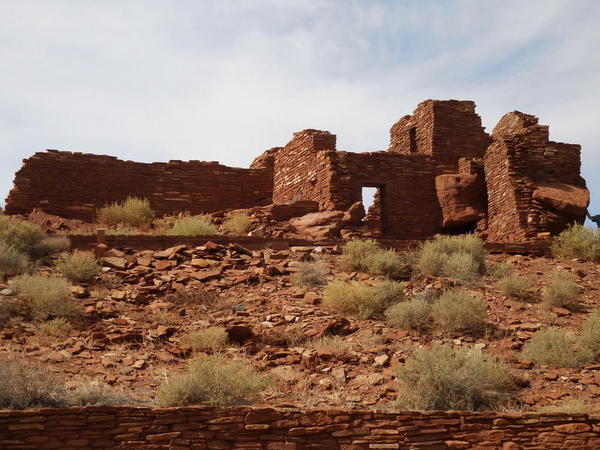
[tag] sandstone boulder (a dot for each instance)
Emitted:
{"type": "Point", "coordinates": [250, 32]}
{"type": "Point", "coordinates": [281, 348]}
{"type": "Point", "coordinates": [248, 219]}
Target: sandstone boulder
{"type": "Point", "coordinates": [319, 225]}
{"type": "Point", "coordinates": [462, 198]}
{"type": "Point", "coordinates": [563, 197]}
{"type": "Point", "coordinates": [355, 215]}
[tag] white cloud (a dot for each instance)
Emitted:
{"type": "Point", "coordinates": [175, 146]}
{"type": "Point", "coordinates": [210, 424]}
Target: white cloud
{"type": "Point", "coordinates": [158, 80]}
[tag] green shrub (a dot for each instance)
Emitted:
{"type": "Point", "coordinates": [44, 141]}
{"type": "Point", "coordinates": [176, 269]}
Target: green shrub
{"type": "Point", "coordinates": [361, 300]}
{"type": "Point", "coordinates": [25, 387]}
{"type": "Point", "coordinates": [461, 257]}
{"type": "Point", "coordinates": [79, 266]}
{"type": "Point", "coordinates": [193, 226]}
{"type": "Point", "coordinates": [384, 262]}
{"type": "Point", "coordinates": [577, 241]}
{"type": "Point", "coordinates": [238, 224]}
{"type": "Point", "coordinates": [515, 286]}
{"type": "Point", "coordinates": [562, 291]}
{"type": "Point", "coordinates": [12, 261]}
{"type": "Point", "coordinates": [412, 314]}
{"type": "Point", "coordinates": [356, 251]}
{"type": "Point", "coordinates": [48, 296]}
{"type": "Point", "coordinates": [135, 212]}
{"type": "Point", "coordinates": [556, 347]}
{"type": "Point", "coordinates": [51, 245]}
{"type": "Point", "coordinates": [309, 274]}
{"type": "Point", "coordinates": [212, 380]}
{"type": "Point", "coordinates": [590, 332]}
{"type": "Point", "coordinates": [442, 378]}
{"type": "Point", "coordinates": [19, 234]}
{"type": "Point", "coordinates": [457, 310]}
{"type": "Point", "coordinates": [213, 338]}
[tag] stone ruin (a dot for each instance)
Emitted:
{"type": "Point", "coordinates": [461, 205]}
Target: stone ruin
{"type": "Point", "coordinates": [442, 173]}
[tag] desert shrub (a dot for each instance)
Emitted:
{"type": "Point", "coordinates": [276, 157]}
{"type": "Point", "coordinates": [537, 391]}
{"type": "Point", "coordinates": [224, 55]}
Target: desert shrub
{"type": "Point", "coordinates": [555, 347]}
{"type": "Point", "coordinates": [461, 257]}
{"type": "Point", "coordinates": [412, 314]}
{"type": "Point", "coordinates": [111, 281]}
{"type": "Point", "coordinates": [19, 234]}
{"type": "Point", "coordinates": [93, 393]}
{"type": "Point", "coordinates": [55, 327]}
{"type": "Point", "coordinates": [9, 307]}
{"type": "Point", "coordinates": [293, 335]}
{"type": "Point", "coordinates": [384, 262]}
{"type": "Point", "coordinates": [193, 226]}
{"type": "Point", "coordinates": [515, 286]}
{"type": "Point", "coordinates": [50, 245]}
{"type": "Point", "coordinates": [590, 332]}
{"type": "Point", "coordinates": [428, 294]}
{"type": "Point", "coordinates": [361, 300]}
{"type": "Point", "coordinates": [78, 266]}
{"type": "Point", "coordinates": [457, 310]}
{"type": "Point", "coordinates": [135, 212]}
{"type": "Point", "coordinates": [212, 380]}
{"type": "Point", "coordinates": [238, 224]}
{"type": "Point", "coordinates": [562, 291]}
{"type": "Point", "coordinates": [577, 241]}
{"type": "Point", "coordinates": [24, 387]}
{"type": "Point", "coordinates": [461, 266]}
{"type": "Point", "coordinates": [500, 270]}
{"type": "Point", "coordinates": [309, 274]}
{"type": "Point", "coordinates": [356, 251]}
{"type": "Point", "coordinates": [442, 378]}
{"type": "Point", "coordinates": [47, 296]}
{"type": "Point", "coordinates": [12, 261]}
{"type": "Point", "coordinates": [213, 338]}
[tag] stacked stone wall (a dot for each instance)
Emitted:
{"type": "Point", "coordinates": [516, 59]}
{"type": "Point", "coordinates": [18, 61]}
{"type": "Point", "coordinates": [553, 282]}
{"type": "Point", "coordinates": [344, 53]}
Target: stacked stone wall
{"type": "Point", "coordinates": [74, 185]}
{"type": "Point", "coordinates": [290, 429]}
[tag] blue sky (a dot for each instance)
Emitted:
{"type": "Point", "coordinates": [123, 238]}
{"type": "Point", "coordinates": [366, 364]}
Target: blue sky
{"type": "Point", "coordinates": [153, 80]}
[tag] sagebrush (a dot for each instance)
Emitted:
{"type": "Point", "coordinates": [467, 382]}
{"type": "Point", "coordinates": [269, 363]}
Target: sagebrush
{"type": "Point", "coordinates": [78, 266]}
{"type": "Point", "coordinates": [459, 257]}
{"type": "Point", "coordinates": [360, 299]}
{"type": "Point", "coordinates": [133, 211]}
{"type": "Point", "coordinates": [238, 224]}
{"type": "Point", "coordinates": [46, 297]}
{"type": "Point", "coordinates": [577, 241]}
{"type": "Point", "coordinates": [193, 226]}
{"type": "Point", "coordinates": [442, 378]}
{"type": "Point", "coordinates": [457, 310]}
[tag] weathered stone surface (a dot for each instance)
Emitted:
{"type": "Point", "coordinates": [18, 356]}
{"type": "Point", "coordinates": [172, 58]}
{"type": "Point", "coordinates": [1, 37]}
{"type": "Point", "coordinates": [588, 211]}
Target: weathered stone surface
{"type": "Point", "coordinates": [318, 225]}
{"type": "Point", "coordinates": [563, 197]}
{"type": "Point", "coordinates": [461, 197]}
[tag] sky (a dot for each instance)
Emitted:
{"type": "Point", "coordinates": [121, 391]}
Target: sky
{"type": "Point", "coordinates": [154, 80]}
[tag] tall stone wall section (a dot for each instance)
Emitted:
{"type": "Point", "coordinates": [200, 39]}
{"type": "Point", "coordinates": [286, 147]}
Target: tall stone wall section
{"type": "Point", "coordinates": [74, 185]}
{"type": "Point", "coordinates": [407, 202]}
{"type": "Point", "coordinates": [446, 130]}
{"type": "Point", "coordinates": [301, 169]}
{"type": "Point", "coordinates": [534, 185]}
{"type": "Point", "coordinates": [290, 429]}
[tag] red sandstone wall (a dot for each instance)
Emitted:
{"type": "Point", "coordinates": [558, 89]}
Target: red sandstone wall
{"type": "Point", "coordinates": [290, 429]}
{"type": "Point", "coordinates": [74, 185]}
{"type": "Point", "coordinates": [409, 206]}
{"type": "Point", "coordinates": [520, 159]}
{"type": "Point", "coordinates": [300, 171]}
{"type": "Point", "coordinates": [445, 129]}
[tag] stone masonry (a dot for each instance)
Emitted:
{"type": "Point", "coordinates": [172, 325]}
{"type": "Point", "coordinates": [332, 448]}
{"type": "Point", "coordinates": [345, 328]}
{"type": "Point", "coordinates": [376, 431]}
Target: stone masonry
{"type": "Point", "coordinates": [291, 429]}
{"type": "Point", "coordinates": [442, 173]}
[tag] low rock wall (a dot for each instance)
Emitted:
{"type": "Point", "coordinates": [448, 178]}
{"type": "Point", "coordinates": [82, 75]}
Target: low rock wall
{"type": "Point", "coordinates": [267, 428]}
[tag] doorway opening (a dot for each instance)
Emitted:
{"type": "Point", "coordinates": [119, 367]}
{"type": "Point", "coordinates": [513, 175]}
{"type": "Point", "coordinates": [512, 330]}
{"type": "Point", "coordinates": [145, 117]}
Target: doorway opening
{"type": "Point", "coordinates": [372, 198]}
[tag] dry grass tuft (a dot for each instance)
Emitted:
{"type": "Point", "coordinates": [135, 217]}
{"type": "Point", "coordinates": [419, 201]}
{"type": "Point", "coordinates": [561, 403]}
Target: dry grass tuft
{"type": "Point", "coordinates": [134, 211]}
{"type": "Point", "coordinates": [238, 224]}
{"type": "Point", "coordinates": [12, 261]}
{"type": "Point", "coordinates": [78, 266]}
{"type": "Point", "coordinates": [516, 286]}
{"type": "Point", "coordinates": [562, 291]}
{"type": "Point", "coordinates": [557, 348]}
{"type": "Point", "coordinates": [577, 241]}
{"type": "Point", "coordinates": [213, 380]}
{"type": "Point", "coordinates": [47, 297]}
{"type": "Point", "coordinates": [412, 314]}
{"type": "Point", "coordinates": [213, 338]}
{"type": "Point", "coordinates": [193, 226]}
{"type": "Point", "coordinates": [442, 378]}
{"type": "Point", "coordinates": [459, 257]}
{"type": "Point", "coordinates": [309, 275]}
{"type": "Point", "coordinates": [457, 310]}
{"type": "Point", "coordinates": [360, 299]}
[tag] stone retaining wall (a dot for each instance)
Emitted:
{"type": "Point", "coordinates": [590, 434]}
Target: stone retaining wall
{"type": "Point", "coordinates": [289, 429]}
